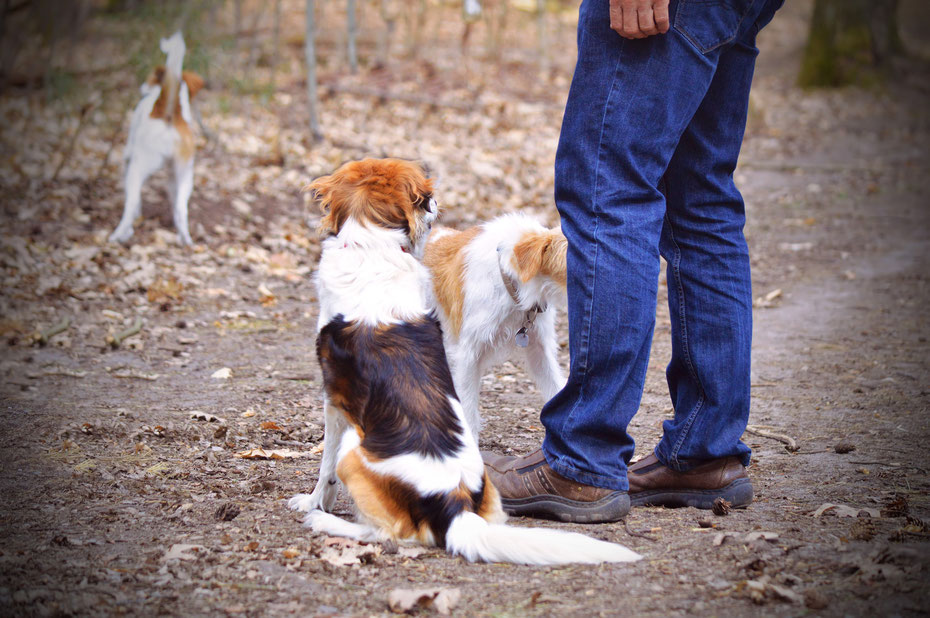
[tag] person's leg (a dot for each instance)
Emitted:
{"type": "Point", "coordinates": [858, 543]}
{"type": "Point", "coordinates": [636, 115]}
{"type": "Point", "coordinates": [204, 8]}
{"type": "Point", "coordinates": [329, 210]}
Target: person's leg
{"type": "Point", "coordinates": [630, 101]}
{"type": "Point", "coordinates": [701, 456]}
{"type": "Point", "coordinates": [709, 288]}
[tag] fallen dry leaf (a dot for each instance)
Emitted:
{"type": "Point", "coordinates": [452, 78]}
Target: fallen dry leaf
{"type": "Point", "coordinates": [197, 415]}
{"type": "Point", "coordinates": [401, 600]}
{"type": "Point", "coordinates": [842, 510]}
{"type": "Point", "coordinates": [350, 554]}
{"type": "Point", "coordinates": [278, 453]}
{"type": "Point", "coordinates": [181, 551]}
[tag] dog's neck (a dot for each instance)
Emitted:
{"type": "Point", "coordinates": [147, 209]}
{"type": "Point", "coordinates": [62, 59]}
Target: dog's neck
{"type": "Point", "coordinates": [355, 234]}
{"type": "Point", "coordinates": [365, 274]}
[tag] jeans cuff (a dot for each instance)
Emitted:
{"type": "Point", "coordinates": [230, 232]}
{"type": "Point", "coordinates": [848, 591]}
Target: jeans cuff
{"type": "Point", "coordinates": [618, 482]}
{"type": "Point", "coordinates": [683, 465]}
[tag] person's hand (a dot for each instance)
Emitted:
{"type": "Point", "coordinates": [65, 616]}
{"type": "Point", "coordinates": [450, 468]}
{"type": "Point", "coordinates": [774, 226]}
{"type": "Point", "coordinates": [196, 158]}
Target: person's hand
{"type": "Point", "coordinates": [637, 19]}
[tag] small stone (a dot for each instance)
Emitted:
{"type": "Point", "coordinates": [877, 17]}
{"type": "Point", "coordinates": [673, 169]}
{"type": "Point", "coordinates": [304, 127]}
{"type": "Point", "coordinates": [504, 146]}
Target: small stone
{"type": "Point", "coordinates": [721, 507]}
{"type": "Point", "coordinates": [844, 447]}
{"type": "Point", "coordinates": [814, 599]}
{"type": "Point", "coordinates": [704, 523]}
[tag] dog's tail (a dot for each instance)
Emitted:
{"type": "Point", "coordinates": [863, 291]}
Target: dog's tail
{"type": "Point", "coordinates": [174, 48]}
{"type": "Point", "coordinates": [475, 539]}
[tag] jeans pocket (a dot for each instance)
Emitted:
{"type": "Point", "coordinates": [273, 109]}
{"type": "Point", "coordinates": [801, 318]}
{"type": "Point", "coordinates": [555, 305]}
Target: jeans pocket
{"type": "Point", "coordinates": [708, 24]}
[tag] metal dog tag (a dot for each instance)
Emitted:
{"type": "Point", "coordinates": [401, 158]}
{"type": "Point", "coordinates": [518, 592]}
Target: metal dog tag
{"type": "Point", "coordinates": [521, 338]}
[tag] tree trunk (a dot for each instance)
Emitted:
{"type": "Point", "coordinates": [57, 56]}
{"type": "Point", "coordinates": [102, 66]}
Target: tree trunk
{"type": "Point", "coordinates": [352, 32]}
{"type": "Point", "coordinates": [386, 35]}
{"type": "Point", "coordinates": [850, 42]}
{"type": "Point", "coordinates": [313, 100]}
{"type": "Point", "coordinates": [543, 39]}
{"type": "Point", "coordinates": [276, 45]}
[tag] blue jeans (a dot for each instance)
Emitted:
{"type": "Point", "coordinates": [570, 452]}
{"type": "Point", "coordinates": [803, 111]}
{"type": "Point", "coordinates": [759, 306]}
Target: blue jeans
{"type": "Point", "coordinates": [650, 138]}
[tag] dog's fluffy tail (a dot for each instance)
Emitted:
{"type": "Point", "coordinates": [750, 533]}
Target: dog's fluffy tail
{"type": "Point", "coordinates": [475, 539]}
{"type": "Point", "coordinates": [174, 48]}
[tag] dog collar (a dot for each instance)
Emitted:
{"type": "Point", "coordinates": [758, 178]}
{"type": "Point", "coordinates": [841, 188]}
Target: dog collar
{"type": "Point", "coordinates": [404, 248]}
{"type": "Point", "coordinates": [511, 285]}
{"type": "Point", "coordinates": [521, 338]}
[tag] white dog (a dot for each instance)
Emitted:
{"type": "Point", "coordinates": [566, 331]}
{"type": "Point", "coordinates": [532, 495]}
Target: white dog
{"type": "Point", "coordinates": [496, 286]}
{"type": "Point", "coordinates": [161, 131]}
{"type": "Point", "coordinates": [395, 432]}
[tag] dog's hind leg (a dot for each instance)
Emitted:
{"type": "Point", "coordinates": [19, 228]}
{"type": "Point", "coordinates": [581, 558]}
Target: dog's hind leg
{"type": "Point", "coordinates": [139, 169]}
{"type": "Point", "coordinates": [465, 375]}
{"type": "Point", "coordinates": [327, 486]}
{"type": "Point", "coordinates": [542, 361]}
{"type": "Point", "coordinates": [184, 185]}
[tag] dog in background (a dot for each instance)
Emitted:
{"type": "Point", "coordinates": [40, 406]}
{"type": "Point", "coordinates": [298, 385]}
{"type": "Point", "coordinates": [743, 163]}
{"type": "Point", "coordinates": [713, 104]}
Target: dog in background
{"type": "Point", "coordinates": [496, 286]}
{"type": "Point", "coordinates": [161, 131]}
{"type": "Point", "coordinates": [395, 432]}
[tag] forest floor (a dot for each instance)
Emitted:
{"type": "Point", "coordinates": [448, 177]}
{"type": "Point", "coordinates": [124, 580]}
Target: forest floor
{"type": "Point", "coordinates": [123, 489]}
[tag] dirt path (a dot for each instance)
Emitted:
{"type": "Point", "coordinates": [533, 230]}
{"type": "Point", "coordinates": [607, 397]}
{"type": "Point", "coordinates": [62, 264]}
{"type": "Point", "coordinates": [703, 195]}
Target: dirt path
{"type": "Point", "coordinates": [121, 495]}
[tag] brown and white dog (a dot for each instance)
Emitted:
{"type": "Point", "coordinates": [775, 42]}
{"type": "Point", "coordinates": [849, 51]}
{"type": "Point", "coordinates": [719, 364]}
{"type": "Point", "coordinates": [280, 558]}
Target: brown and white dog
{"type": "Point", "coordinates": [395, 432]}
{"type": "Point", "coordinates": [160, 131]}
{"type": "Point", "coordinates": [496, 286]}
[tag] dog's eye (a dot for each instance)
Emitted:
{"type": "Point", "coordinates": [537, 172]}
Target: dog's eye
{"type": "Point", "coordinates": [425, 202]}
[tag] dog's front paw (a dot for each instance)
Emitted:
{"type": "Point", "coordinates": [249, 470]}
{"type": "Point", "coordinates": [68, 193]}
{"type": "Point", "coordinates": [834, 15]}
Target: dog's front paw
{"type": "Point", "coordinates": [120, 236]}
{"type": "Point", "coordinates": [304, 503]}
{"type": "Point", "coordinates": [318, 521]}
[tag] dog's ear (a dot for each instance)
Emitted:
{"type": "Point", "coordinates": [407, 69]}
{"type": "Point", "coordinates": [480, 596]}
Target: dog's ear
{"type": "Point", "coordinates": [194, 82]}
{"type": "Point", "coordinates": [529, 253]}
{"type": "Point", "coordinates": [541, 253]}
{"type": "Point", "coordinates": [323, 190]}
{"type": "Point", "coordinates": [156, 76]}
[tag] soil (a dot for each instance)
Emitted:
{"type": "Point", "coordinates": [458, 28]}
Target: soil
{"type": "Point", "coordinates": [123, 491]}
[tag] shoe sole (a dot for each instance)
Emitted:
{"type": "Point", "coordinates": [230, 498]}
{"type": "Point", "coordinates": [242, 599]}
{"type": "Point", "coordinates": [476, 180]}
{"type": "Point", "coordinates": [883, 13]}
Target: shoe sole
{"type": "Point", "coordinates": [738, 493]}
{"type": "Point", "coordinates": [611, 508]}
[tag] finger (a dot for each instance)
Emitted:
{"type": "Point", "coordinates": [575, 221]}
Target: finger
{"type": "Point", "coordinates": [616, 17]}
{"type": "Point", "coordinates": [647, 24]}
{"type": "Point", "coordinates": [660, 13]}
{"type": "Point", "coordinates": [631, 24]}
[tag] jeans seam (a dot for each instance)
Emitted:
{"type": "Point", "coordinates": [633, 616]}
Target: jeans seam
{"type": "Point", "coordinates": [682, 318]}
{"type": "Point", "coordinates": [589, 309]}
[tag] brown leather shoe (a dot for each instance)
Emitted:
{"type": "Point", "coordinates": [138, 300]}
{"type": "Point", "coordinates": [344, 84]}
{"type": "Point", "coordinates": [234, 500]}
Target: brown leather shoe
{"type": "Point", "coordinates": [528, 486]}
{"type": "Point", "coordinates": [653, 484]}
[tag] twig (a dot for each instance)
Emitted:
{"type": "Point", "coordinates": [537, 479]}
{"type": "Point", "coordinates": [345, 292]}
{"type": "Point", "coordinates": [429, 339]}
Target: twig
{"type": "Point", "coordinates": [889, 465]}
{"type": "Point", "coordinates": [137, 375]}
{"type": "Point", "coordinates": [58, 371]}
{"type": "Point", "coordinates": [297, 377]}
{"type": "Point", "coordinates": [631, 532]}
{"type": "Point", "coordinates": [85, 114]}
{"type": "Point", "coordinates": [106, 157]}
{"type": "Point", "coordinates": [115, 340]}
{"type": "Point", "coordinates": [207, 132]}
{"type": "Point", "coordinates": [401, 96]}
{"type": "Point", "coordinates": [790, 443]}
{"type": "Point", "coordinates": [42, 337]}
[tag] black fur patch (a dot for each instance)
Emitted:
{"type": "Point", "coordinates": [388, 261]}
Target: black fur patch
{"type": "Point", "coordinates": [435, 510]}
{"type": "Point", "coordinates": [393, 382]}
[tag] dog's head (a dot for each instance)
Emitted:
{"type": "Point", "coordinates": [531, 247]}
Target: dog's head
{"type": "Point", "coordinates": [156, 77]}
{"type": "Point", "coordinates": [543, 253]}
{"type": "Point", "coordinates": [387, 193]}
